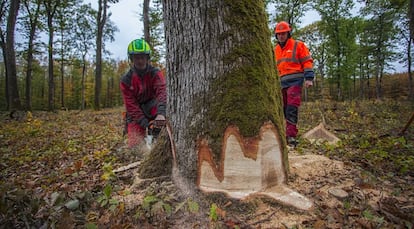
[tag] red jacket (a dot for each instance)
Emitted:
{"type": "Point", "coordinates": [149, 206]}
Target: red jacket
{"type": "Point", "coordinates": [142, 93]}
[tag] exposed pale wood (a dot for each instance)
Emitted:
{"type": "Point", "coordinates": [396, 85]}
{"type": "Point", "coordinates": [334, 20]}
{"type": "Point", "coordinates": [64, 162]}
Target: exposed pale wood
{"type": "Point", "coordinates": [248, 167]}
{"type": "Point", "coordinates": [304, 166]}
{"type": "Point", "coordinates": [127, 167]}
{"type": "Point", "coordinates": [321, 133]}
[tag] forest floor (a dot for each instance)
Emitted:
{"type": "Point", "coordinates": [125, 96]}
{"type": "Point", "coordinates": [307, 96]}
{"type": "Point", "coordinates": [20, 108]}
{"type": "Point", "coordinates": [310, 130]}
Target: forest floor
{"type": "Point", "coordinates": [62, 170]}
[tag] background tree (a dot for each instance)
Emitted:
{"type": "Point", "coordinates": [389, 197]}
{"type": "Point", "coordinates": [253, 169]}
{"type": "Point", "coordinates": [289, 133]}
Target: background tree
{"type": "Point", "coordinates": [220, 72]}
{"type": "Point", "coordinates": [316, 42]}
{"type": "Point", "coordinates": [381, 32]}
{"type": "Point", "coordinates": [101, 20]}
{"type": "Point", "coordinates": [4, 6]}
{"type": "Point", "coordinates": [156, 31]}
{"type": "Point", "coordinates": [290, 11]}
{"type": "Point", "coordinates": [32, 24]}
{"type": "Point", "coordinates": [65, 22]}
{"type": "Point", "coordinates": [365, 60]}
{"type": "Point", "coordinates": [153, 28]}
{"type": "Point", "coordinates": [406, 37]}
{"type": "Point", "coordinates": [51, 7]}
{"type": "Point", "coordinates": [411, 16]}
{"type": "Point", "coordinates": [10, 57]}
{"type": "Point", "coordinates": [335, 15]}
{"type": "Point", "coordinates": [85, 33]}
{"type": "Point", "coordinates": [146, 21]}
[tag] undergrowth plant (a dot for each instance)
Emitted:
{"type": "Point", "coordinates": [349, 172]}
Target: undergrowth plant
{"type": "Point", "coordinates": [106, 200]}
{"type": "Point", "coordinates": [160, 204]}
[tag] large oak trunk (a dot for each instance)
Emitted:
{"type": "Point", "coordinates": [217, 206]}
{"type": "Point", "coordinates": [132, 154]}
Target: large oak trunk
{"type": "Point", "coordinates": [224, 99]}
{"type": "Point", "coordinates": [220, 72]}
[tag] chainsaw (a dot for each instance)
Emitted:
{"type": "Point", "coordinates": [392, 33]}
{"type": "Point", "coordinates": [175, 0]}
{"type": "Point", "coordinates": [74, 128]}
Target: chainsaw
{"type": "Point", "coordinates": [153, 130]}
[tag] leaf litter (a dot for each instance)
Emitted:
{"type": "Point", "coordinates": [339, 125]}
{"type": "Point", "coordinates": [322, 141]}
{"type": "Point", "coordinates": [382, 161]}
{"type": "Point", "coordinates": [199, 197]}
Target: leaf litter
{"type": "Point", "coordinates": [56, 170]}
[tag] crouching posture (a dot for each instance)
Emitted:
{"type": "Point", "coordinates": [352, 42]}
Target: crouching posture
{"type": "Point", "coordinates": [143, 89]}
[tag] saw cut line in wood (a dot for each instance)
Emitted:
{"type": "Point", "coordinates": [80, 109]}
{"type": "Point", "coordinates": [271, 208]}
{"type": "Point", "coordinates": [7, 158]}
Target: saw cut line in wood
{"type": "Point", "coordinates": [248, 167]}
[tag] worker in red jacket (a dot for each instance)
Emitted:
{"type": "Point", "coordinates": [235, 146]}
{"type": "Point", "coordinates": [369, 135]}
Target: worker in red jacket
{"type": "Point", "coordinates": [295, 67]}
{"type": "Point", "coordinates": [143, 89]}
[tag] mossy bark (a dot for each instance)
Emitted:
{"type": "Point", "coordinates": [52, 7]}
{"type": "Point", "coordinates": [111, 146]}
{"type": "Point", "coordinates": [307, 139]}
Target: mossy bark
{"type": "Point", "coordinates": [220, 72]}
{"type": "Point", "coordinates": [158, 162]}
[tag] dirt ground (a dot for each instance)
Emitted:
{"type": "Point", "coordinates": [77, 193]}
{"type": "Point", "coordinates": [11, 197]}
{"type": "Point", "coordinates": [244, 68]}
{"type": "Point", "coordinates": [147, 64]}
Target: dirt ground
{"type": "Point", "coordinates": [69, 172]}
{"type": "Point", "coordinates": [344, 196]}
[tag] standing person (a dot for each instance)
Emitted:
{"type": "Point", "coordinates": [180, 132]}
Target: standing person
{"type": "Point", "coordinates": [294, 66]}
{"type": "Point", "coordinates": [143, 89]}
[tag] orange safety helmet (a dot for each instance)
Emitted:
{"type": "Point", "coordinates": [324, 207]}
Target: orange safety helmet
{"type": "Point", "coordinates": [282, 27]}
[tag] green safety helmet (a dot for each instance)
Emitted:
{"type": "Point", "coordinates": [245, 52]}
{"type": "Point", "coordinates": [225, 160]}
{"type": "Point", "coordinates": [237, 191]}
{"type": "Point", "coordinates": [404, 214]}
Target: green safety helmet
{"type": "Point", "coordinates": [139, 46]}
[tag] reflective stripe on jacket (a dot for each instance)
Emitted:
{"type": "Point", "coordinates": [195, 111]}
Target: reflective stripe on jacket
{"type": "Point", "coordinates": [294, 61]}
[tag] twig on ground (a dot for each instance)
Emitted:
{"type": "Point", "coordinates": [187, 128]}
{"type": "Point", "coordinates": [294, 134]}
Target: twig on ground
{"type": "Point", "coordinates": [127, 167]}
{"type": "Point", "coordinates": [268, 218]}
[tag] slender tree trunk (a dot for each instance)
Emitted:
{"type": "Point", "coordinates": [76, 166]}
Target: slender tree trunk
{"type": "Point", "coordinates": [412, 19]}
{"type": "Point", "coordinates": [220, 73]}
{"type": "Point", "coordinates": [361, 79]}
{"type": "Point", "coordinates": [62, 85]}
{"type": "Point", "coordinates": [369, 86]}
{"type": "Point", "coordinates": [29, 81]}
{"type": "Point", "coordinates": [377, 83]}
{"type": "Point", "coordinates": [6, 88]}
{"type": "Point", "coordinates": [29, 71]}
{"type": "Point", "coordinates": [14, 99]}
{"type": "Point", "coordinates": [62, 72]}
{"type": "Point", "coordinates": [51, 94]}
{"type": "Point", "coordinates": [34, 18]}
{"type": "Point", "coordinates": [83, 82]}
{"type": "Point", "coordinates": [145, 14]}
{"type": "Point", "coordinates": [101, 20]}
{"type": "Point", "coordinates": [51, 6]}
{"type": "Point", "coordinates": [410, 74]}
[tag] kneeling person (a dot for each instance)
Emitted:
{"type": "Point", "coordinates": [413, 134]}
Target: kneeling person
{"type": "Point", "coordinates": [143, 89]}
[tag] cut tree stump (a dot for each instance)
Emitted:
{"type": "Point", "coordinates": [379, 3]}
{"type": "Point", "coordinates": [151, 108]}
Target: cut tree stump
{"type": "Point", "coordinates": [248, 167]}
{"type": "Point", "coordinates": [321, 133]}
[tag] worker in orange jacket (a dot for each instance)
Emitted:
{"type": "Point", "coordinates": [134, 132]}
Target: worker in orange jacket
{"type": "Point", "coordinates": [295, 67]}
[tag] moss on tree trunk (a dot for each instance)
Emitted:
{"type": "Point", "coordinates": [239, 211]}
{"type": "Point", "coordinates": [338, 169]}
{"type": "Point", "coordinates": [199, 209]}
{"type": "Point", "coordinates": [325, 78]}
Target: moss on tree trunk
{"type": "Point", "coordinates": [159, 161]}
{"type": "Point", "coordinates": [220, 72]}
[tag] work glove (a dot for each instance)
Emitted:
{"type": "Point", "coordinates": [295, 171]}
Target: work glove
{"type": "Point", "coordinates": [143, 122]}
{"type": "Point", "coordinates": [155, 126]}
{"type": "Point", "coordinates": [160, 120]}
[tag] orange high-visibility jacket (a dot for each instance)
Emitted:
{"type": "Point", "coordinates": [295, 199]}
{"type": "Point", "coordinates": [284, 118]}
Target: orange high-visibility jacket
{"type": "Point", "coordinates": [293, 60]}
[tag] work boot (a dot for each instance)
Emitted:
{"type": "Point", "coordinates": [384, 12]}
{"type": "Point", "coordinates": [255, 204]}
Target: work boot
{"type": "Point", "coordinates": [292, 142]}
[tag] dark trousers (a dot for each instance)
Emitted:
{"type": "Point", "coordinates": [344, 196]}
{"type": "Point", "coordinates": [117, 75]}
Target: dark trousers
{"type": "Point", "coordinates": [291, 102]}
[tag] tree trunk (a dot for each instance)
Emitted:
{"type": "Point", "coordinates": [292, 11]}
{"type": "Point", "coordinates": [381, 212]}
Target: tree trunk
{"type": "Point", "coordinates": [145, 15]}
{"type": "Point", "coordinates": [51, 6]}
{"type": "Point", "coordinates": [34, 18]}
{"type": "Point", "coordinates": [13, 90]}
{"type": "Point", "coordinates": [410, 74]}
{"type": "Point", "coordinates": [62, 82]}
{"type": "Point", "coordinates": [51, 95]}
{"type": "Point", "coordinates": [101, 20]}
{"type": "Point", "coordinates": [83, 82]}
{"type": "Point", "coordinates": [412, 19]}
{"type": "Point", "coordinates": [224, 97]}
{"type": "Point", "coordinates": [6, 88]}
